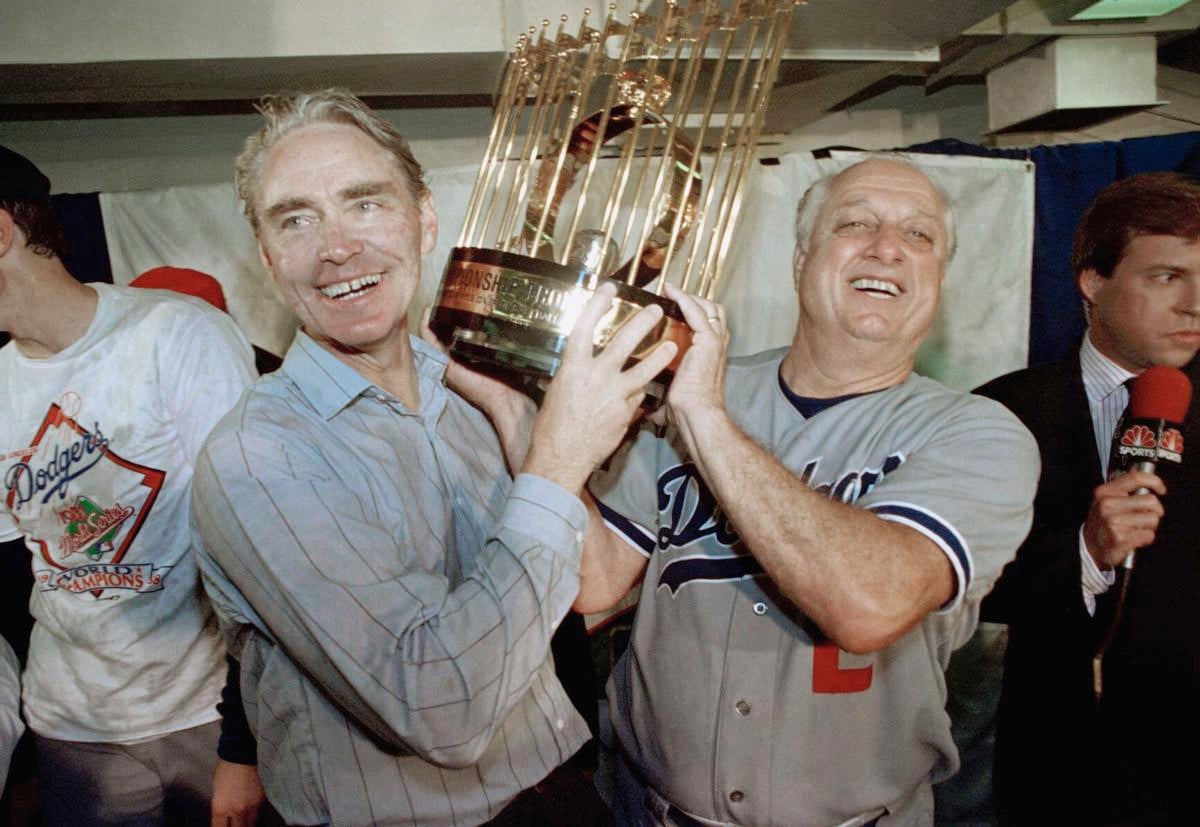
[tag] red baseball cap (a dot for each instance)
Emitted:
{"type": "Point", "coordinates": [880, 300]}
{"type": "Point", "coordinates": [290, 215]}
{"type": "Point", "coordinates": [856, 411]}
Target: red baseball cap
{"type": "Point", "coordinates": [184, 280]}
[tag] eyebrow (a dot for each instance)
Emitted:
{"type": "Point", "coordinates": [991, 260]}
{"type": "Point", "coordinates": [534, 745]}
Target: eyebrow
{"type": "Point", "coordinates": [287, 205]}
{"type": "Point", "coordinates": [350, 193]}
{"type": "Point", "coordinates": [862, 201]}
{"type": "Point", "coordinates": [366, 189]}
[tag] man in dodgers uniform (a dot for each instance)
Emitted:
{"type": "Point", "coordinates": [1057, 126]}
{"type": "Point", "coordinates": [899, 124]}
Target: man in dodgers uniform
{"type": "Point", "coordinates": [814, 537]}
{"type": "Point", "coordinates": [108, 394]}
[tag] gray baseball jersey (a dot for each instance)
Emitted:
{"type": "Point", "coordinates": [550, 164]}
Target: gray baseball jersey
{"type": "Point", "coordinates": [729, 702]}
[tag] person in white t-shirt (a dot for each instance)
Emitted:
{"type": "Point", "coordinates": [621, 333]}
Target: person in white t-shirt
{"type": "Point", "coordinates": [108, 395]}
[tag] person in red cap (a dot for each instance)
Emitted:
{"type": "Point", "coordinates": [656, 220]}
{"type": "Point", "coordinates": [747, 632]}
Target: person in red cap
{"type": "Point", "coordinates": [109, 393]}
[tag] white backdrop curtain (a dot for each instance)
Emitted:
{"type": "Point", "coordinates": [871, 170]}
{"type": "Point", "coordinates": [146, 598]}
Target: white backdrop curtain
{"type": "Point", "coordinates": [982, 329]}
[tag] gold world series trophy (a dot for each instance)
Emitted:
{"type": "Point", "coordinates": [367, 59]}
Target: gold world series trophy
{"type": "Point", "coordinates": [593, 171]}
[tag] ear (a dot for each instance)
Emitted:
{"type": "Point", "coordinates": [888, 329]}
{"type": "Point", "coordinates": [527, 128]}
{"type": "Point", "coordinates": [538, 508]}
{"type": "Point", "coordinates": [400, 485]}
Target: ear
{"type": "Point", "coordinates": [8, 232]}
{"type": "Point", "coordinates": [429, 222]}
{"type": "Point", "coordinates": [265, 258]}
{"type": "Point", "coordinates": [797, 265]}
{"type": "Point", "coordinates": [1090, 283]}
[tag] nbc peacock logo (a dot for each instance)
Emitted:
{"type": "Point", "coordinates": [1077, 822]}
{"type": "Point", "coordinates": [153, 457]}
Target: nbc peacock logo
{"type": "Point", "coordinates": [1139, 436]}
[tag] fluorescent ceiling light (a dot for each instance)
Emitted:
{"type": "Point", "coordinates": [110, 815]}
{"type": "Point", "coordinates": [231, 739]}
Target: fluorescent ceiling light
{"type": "Point", "coordinates": [1118, 9]}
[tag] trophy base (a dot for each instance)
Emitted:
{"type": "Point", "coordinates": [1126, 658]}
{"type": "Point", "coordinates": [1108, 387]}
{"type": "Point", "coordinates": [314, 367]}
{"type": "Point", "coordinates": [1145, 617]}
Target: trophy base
{"type": "Point", "coordinates": [512, 314]}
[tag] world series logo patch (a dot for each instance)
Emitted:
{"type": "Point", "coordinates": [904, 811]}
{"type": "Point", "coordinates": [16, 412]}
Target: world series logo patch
{"type": "Point", "coordinates": [81, 505]}
{"type": "Point", "coordinates": [90, 528]}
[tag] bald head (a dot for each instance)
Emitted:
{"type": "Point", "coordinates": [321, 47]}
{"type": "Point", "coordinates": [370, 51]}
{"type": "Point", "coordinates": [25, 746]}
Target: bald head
{"type": "Point", "coordinates": [891, 170]}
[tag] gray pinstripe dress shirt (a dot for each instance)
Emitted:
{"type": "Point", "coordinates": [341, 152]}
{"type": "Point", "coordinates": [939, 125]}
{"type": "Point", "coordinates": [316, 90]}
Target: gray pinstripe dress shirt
{"type": "Point", "coordinates": [391, 594]}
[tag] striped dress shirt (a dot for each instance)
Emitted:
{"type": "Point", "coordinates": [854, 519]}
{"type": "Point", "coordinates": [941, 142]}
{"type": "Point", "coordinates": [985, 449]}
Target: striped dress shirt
{"type": "Point", "coordinates": [391, 594]}
{"type": "Point", "coordinates": [1104, 383]}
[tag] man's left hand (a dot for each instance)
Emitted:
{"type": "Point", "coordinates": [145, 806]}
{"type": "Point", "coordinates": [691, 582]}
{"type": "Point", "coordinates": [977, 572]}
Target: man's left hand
{"type": "Point", "coordinates": [593, 399]}
{"type": "Point", "coordinates": [237, 795]}
{"type": "Point", "coordinates": [698, 389]}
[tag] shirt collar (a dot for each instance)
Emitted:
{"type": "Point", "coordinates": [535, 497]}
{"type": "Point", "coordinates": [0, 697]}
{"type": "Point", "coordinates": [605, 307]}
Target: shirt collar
{"type": "Point", "coordinates": [330, 385]}
{"type": "Point", "coordinates": [810, 406]}
{"type": "Point", "coordinates": [1101, 375]}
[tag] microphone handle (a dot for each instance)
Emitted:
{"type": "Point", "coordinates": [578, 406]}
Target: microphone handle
{"type": "Point", "coordinates": [1147, 467]}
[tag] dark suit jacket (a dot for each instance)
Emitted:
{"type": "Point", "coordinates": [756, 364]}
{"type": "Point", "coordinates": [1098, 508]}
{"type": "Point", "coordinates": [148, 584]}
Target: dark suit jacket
{"type": "Point", "coordinates": [1056, 750]}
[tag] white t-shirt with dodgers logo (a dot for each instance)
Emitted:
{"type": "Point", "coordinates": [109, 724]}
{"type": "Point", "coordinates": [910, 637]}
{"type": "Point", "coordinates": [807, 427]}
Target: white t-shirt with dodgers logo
{"type": "Point", "coordinates": [97, 446]}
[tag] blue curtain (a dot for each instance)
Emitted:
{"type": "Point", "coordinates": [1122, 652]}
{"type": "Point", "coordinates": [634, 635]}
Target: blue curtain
{"type": "Point", "coordinates": [83, 226]}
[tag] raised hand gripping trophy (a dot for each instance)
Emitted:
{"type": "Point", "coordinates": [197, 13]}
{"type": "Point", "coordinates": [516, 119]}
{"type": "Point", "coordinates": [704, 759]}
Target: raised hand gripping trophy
{"type": "Point", "coordinates": [593, 171]}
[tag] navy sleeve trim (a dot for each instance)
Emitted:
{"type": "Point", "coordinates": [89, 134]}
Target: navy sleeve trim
{"type": "Point", "coordinates": [634, 534]}
{"type": "Point", "coordinates": [941, 533]}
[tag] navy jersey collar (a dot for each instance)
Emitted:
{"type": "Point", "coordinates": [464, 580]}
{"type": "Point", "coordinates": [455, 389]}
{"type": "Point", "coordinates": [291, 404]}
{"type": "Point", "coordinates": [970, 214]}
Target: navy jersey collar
{"type": "Point", "coordinates": [810, 406]}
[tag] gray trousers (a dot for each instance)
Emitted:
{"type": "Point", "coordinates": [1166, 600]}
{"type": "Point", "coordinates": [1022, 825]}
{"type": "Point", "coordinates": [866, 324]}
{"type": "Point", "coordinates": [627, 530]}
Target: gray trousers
{"type": "Point", "coordinates": [166, 781]}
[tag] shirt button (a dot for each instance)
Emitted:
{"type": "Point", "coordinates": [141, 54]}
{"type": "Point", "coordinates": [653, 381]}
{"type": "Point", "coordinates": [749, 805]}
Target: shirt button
{"type": "Point", "coordinates": [559, 723]}
{"type": "Point", "coordinates": [736, 796]}
{"type": "Point", "coordinates": [579, 536]}
{"type": "Point", "coordinates": [760, 608]}
{"type": "Point", "coordinates": [742, 707]}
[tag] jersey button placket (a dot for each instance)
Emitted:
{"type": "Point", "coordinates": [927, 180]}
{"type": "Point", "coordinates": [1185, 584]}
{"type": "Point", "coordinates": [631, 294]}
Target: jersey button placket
{"type": "Point", "coordinates": [744, 728]}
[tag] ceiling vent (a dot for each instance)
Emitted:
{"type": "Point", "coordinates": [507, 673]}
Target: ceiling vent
{"type": "Point", "coordinates": [1073, 82]}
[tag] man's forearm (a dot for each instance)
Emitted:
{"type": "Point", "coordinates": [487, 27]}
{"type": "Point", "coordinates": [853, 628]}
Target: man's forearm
{"type": "Point", "coordinates": [864, 581]}
{"type": "Point", "coordinates": [610, 568]}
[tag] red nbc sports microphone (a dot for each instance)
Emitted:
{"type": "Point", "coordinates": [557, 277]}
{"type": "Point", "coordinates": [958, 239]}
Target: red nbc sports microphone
{"type": "Point", "coordinates": [1151, 432]}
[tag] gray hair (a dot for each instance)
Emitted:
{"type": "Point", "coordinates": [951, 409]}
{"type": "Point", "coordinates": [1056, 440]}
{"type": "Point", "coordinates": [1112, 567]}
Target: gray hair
{"type": "Point", "coordinates": [814, 199]}
{"type": "Point", "coordinates": [286, 112]}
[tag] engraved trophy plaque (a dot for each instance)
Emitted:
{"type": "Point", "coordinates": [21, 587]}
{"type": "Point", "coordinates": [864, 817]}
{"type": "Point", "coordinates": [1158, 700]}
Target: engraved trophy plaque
{"type": "Point", "coordinates": [593, 170]}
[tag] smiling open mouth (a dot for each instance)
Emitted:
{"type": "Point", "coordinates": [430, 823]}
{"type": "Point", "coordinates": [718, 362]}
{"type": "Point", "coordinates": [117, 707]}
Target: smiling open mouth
{"type": "Point", "coordinates": [876, 287]}
{"type": "Point", "coordinates": [350, 289]}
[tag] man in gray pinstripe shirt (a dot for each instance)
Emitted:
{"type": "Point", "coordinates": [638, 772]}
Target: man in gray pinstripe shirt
{"type": "Point", "coordinates": [389, 589]}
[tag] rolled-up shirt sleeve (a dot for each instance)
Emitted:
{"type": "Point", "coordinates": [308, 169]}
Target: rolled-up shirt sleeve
{"type": "Point", "coordinates": [427, 660]}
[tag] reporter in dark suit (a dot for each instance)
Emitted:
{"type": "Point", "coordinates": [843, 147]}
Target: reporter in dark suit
{"type": "Point", "coordinates": [1061, 757]}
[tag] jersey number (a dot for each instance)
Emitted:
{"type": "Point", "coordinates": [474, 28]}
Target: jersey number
{"type": "Point", "coordinates": [829, 678]}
